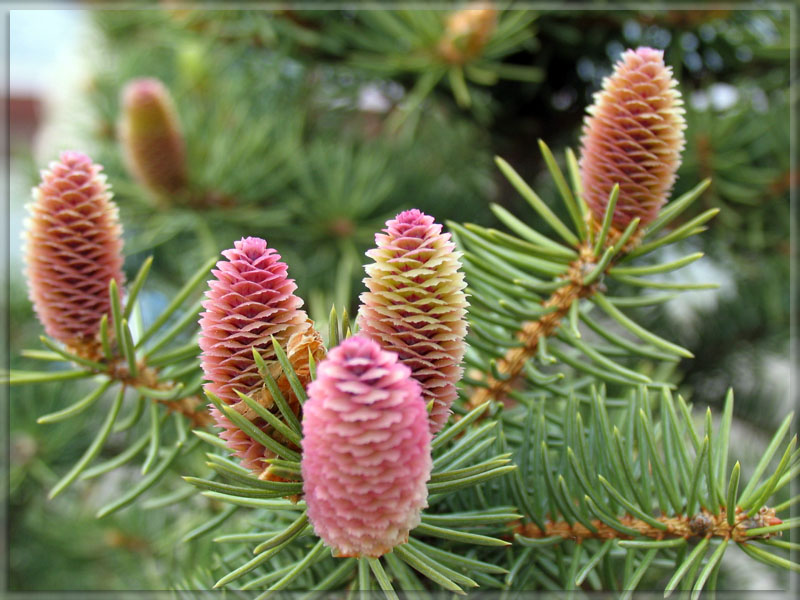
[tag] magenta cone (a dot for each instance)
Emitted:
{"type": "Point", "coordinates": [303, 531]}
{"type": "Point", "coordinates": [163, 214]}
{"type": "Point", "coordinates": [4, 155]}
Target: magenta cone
{"type": "Point", "coordinates": [250, 300]}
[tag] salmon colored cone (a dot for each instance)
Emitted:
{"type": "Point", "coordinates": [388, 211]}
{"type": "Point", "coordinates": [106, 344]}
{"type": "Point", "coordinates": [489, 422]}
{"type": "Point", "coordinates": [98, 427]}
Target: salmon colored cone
{"type": "Point", "coordinates": [73, 250]}
{"type": "Point", "coordinates": [633, 136]}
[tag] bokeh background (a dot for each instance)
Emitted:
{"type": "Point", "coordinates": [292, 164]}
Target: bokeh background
{"type": "Point", "coordinates": [311, 128]}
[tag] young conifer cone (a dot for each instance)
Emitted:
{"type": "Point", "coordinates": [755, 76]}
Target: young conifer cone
{"type": "Point", "coordinates": [467, 31]}
{"type": "Point", "coordinates": [73, 250]}
{"type": "Point", "coordinates": [633, 136]}
{"type": "Point", "coordinates": [251, 300]}
{"type": "Point", "coordinates": [366, 450]}
{"type": "Point", "coordinates": [152, 142]}
{"type": "Point", "coordinates": [415, 305]}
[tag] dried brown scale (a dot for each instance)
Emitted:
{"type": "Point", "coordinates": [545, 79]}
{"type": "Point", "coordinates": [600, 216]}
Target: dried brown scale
{"type": "Point", "coordinates": [188, 408]}
{"type": "Point", "coordinates": [301, 347]}
{"type": "Point", "coordinates": [91, 349]}
{"type": "Point", "coordinates": [677, 527]}
{"type": "Point", "coordinates": [532, 331]}
{"type": "Point", "coordinates": [148, 377]}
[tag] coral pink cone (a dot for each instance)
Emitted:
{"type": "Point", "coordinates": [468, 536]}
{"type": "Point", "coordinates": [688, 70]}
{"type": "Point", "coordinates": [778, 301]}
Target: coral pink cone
{"type": "Point", "coordinates": [366, 450]}
{"type": "Point", "coordinates": [416, 305]}
{"type": "Point", "coordinates": [73, 250]}
{"type": "Point", "coordinates": [633, 136]}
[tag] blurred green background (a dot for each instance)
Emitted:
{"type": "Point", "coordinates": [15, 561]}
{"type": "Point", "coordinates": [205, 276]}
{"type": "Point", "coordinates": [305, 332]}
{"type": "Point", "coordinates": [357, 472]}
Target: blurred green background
{"type": "Point", "coordinates": [311, 128]}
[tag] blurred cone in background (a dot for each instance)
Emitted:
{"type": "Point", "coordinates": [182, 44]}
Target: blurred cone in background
{"type": "Point", "coordinates": [467, 31]}
{"type": "Point", "coordinates": [151, 137]}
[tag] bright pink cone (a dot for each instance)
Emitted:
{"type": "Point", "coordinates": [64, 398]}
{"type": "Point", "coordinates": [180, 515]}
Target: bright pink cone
{"type": "Point", "coordinates": [366, 450]}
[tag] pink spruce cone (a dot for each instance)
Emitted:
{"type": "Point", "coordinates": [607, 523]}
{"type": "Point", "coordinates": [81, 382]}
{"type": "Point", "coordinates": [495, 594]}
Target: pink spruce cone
{"type": "Point", "coordinates": [152, 142]}
{"type": "Point", "coordinates": [633, 136]}
{"type": "Point", "coordinates": [415, 305]}
{"type": "Point", "coordinates": [73, 250]}
{"type": "Point", "coordinates": [366, 450]}
{"type": "Point", "coordinates": [250, 300]}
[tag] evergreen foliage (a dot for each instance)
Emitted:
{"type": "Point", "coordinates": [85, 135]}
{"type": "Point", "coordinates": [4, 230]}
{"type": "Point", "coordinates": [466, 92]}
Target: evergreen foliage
{"type": "Point", "coordinates": [580, 454]}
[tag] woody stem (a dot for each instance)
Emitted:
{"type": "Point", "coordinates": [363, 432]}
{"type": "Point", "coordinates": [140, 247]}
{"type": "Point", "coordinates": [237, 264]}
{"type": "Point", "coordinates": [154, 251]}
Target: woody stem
{"type": "Point", "coordinates": [701, 525]}
{"type": "Point", "coordinates": [511, 365]}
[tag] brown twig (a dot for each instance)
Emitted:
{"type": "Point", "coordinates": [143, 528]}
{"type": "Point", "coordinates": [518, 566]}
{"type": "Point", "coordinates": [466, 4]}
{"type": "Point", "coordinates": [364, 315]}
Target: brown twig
{"type": "Point", "coordinates": [700, 525]}
{"type": "Point", "coordinates": [117, 370]}
{"type": "Point", "coordinates": [148, 377]}
{"type": "Point", "coordinates": [530, 332]}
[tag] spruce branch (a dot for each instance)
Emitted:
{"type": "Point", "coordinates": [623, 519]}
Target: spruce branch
{"type": "Point", "coordinates": [637, 486]}
{"type": "Point", "coordinates": [594, 260]}
{"type": "Point", "coordinates": [637, 121]}
{"type": "Point", "coordinates": [74, 262]}
{"type": "Point", "coordinates": [542, 479]}
{"type": "Point", "coordinates": [162, 380]}
{"type": "Point", "coordinates": [560, 303]}
{"type": "Point", "coordinates": [449, 569]}
{"type": "Point", "coordinates": [122, 365]}
{"type": "Point", "coordinates": [458, 46]}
